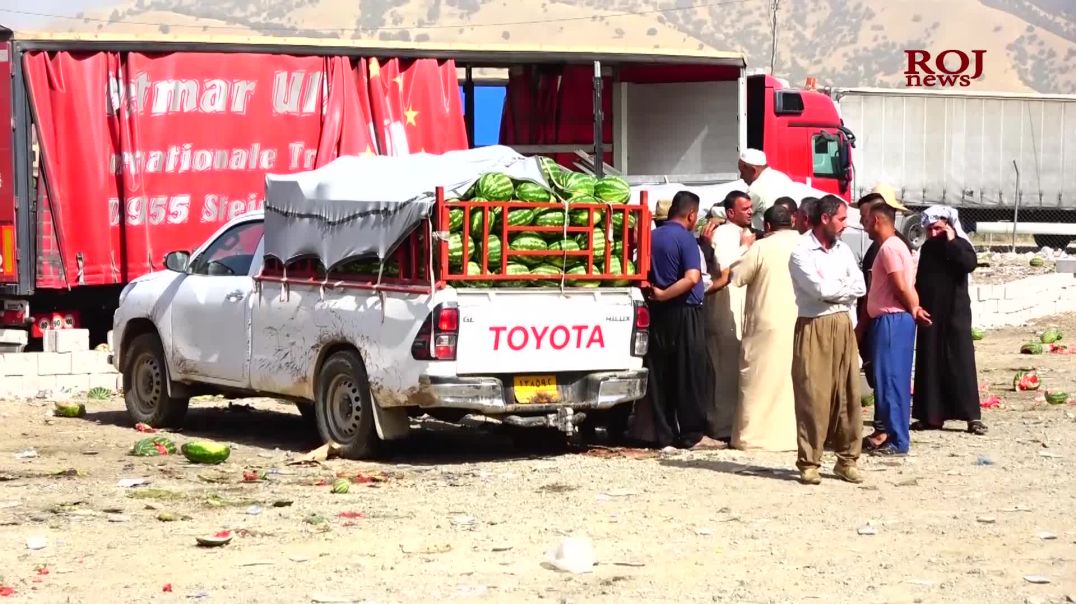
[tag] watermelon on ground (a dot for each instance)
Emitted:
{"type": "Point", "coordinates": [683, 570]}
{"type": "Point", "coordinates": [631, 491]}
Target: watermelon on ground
{"type": "Point", "coordinates": [1057, 398]}
{"type": "Point", "coordinates": [977, 333]}
{"type": "Point", "coordinates": [496, 186]}
{"type": "Point", "coordinates": [1031, 348]}
{"type": "Point", "coordinates": [1050, 336]}
{"type": "Point", "coordinates": [612, 189]}
{"type": "Point", "coordinates": [1025, 380]}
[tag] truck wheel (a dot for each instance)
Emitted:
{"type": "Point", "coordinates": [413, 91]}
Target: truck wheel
{"type": "Point", "coordinates": [912, 229]}
{"type": "Point", "coordinates": [1057, 242]}
{"type": "Point", "coordinates": [145, 385]}
{"type": "Point", "coordinates": [344, 406]}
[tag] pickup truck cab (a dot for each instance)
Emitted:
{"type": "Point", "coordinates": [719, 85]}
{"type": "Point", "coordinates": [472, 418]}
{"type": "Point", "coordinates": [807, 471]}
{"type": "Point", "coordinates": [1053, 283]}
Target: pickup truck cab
{"type": "Point", "coordinates": [360, 357]}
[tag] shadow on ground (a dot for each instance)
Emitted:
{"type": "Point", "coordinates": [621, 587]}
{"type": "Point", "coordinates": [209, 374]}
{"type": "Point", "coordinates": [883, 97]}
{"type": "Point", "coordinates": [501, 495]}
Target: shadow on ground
{"type": "Point", "coordinates": [430, 443]}
{"type": "Point", "coordinates": [728, 467]}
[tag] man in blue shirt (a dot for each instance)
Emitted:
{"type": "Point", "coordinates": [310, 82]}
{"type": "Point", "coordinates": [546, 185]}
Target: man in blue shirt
{"type": "Point", "coordinates": [680, 371]}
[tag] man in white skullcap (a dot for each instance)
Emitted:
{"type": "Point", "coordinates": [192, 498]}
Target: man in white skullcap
{"type": "Point", "coordinates": [765, 184]}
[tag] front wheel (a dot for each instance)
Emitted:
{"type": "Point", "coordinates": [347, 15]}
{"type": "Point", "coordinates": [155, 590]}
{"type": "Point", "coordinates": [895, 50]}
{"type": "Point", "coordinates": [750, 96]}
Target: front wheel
{"type": "Point", "coordinates": [343, 406]}
{"type": "Point", "coordinates": [145, 386]}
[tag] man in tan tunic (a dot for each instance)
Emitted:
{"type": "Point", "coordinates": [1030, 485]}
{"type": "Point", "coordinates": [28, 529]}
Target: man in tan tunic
{"type": "Point", "coordinates": [766, 413]}
{"type": "Point", "coordinates": [724, 313]}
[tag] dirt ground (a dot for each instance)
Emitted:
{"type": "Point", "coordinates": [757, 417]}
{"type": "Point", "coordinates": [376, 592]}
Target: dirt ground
{"type": "Point", "coordinates": [463, 515]}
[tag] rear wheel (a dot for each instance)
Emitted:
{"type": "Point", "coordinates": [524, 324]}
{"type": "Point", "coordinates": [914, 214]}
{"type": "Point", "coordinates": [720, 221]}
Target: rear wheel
{"type": "Point", "coordinates": [912, 229]}
{"type": "Point", "coordinates": [344, 407]}
{"type": "Point", "coordinates": [1057, 242]}
{"type": "Point", "coordinates": [145, 385]}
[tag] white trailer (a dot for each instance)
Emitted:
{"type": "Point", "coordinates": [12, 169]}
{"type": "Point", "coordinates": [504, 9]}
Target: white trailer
{"type": "Point", "coordinates": [998, 157]}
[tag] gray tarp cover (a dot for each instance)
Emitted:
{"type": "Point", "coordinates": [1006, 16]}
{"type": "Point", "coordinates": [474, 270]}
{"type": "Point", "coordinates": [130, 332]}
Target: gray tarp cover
{"type": "Point", "coordinates": [362, 206]}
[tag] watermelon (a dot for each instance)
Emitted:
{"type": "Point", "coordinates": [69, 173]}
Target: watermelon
{"type": "Point", "coordinates": [455, 249]}
{"type": "Point", "coordinates": [867, 400]}
{"type": "Point", "coordinates": [582, 270]}
{"type": "Point", "coordinates": [455, 218]}
{"type": "Point", "coordinates": [1031, 348]}
{"type": "Point", "coordinates": [529, 191]}
{"type": "Point", "coordinates": [599, 243]}
{"type": "Point", "coordinates": [618, 249]}
{"type": "Point", "coordinates": [521, 217]}
{"type": "Point", "coordinates": [69, 410]}
{"type": "Point", "coordinates": [618, 221]}
{"type": "Point", "coordinates": [567, 245]}
{"type": "Point", "coordinates": [581, 217]}
{"type": "Point", "coordinates": [515, 268]}
{"type": "Point", "coordinates": [550, 218]}
{"type": "Point", "coordinates": [341, 486]}
{"type": "Point", "coordinates": [547, 269]}
{"type": "Point", "coordinates": [553, 173]}
{"type": "Point", "coordinates": [478, 217]}
{"type": "Point", "coordinates": [1037, 261]}
{"type": "Point", "coordinates": [492, 250]}
{"type": "Point", "coordinates": [612, 189]}
{"type": "Point", "coordinates": [614, 268]}
{"type": "Point", "coordinates": [977, 333]}
{"type": "Point", "coordinates": [1057, 398]}
{"type": "Point", "coordinates": [153, 446]}
{"type": "Point", "coordinates": [1050, 335]}
{"type": "Point", "coordinates": [495, 186]}
{"type": "Point", "coordinates": [204, 451]}
{"type": "Point", "coordinates": [527, 242]}
{"type": "Point", "coordinates": [473, 268]}
{"type": "Point", "coordinates": [578, 183]}
{"type": "Point", "coordinates": [1025, 380]}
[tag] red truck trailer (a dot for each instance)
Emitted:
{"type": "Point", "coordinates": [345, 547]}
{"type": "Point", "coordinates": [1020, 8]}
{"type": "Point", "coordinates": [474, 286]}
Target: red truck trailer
{"type": "Point", "coordinates": [123, 148]}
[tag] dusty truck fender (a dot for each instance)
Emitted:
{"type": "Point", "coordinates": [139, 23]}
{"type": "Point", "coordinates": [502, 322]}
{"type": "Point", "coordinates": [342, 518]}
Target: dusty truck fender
{"type": "Point", "coordinates": [392, 424]}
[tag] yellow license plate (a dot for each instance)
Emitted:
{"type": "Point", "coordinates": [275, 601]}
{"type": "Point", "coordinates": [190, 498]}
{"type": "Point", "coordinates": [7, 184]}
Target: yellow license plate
{"type": "Point", "coordinates": [536, 389]}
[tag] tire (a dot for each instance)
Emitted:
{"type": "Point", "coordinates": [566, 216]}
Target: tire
{"type": "Point", "coordinates": [912, 229]}
{"type": "Point", "coordinates": [343, 406]}
{"type": "Point", "coordinates": [1057, 242]}
{"type": "Point", "coordinates": [145, 385]}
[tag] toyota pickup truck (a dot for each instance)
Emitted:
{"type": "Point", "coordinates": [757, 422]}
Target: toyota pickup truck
{"type": "Point", "coordinates": [249, 313]}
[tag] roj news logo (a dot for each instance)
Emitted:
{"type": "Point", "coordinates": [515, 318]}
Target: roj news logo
{"type": "Point", "coordinates": [948, 68]}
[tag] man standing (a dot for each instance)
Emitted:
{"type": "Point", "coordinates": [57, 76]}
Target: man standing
{"type": "Point", "coordinates": [946, 382]}
{"type": "Point", "coordinates": [893, 308]}
{"type": "Point", "coordinates": [766, 412]}
{"type": "Point", "coordinates": [825, 372]}
{"type": "Point", "coordinates": [724, 314]}
{"type": "Point", "coordinates": [683, 380]}
{"type": "Point", "coordinates": [806, 211]}
{"type": "Point", "coordinates": [765, 184]}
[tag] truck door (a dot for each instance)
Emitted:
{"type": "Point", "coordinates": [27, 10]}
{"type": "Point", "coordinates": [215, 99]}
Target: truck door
{"type": "Point", "coordinates": [829, 163]}
{"type": "Point", "coordinates": [211, 308]}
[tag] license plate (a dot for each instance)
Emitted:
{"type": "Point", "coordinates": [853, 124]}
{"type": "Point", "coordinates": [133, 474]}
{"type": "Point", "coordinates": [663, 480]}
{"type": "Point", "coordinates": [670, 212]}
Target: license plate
{"type": "Point", "coordinates": [536, 389]}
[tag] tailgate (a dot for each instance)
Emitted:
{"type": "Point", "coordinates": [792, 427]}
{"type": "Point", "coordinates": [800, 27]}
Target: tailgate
{"type": "Point", "coordinates": [546, 331]}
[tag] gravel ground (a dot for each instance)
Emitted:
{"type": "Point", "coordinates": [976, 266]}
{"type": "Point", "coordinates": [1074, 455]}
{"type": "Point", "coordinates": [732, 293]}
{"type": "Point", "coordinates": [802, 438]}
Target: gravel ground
{"type": "Point", "coordinates": [469, 516]}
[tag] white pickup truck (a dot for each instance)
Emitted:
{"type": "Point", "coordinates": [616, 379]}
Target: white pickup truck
{"type": "Point", "coordinates": [359, 358]}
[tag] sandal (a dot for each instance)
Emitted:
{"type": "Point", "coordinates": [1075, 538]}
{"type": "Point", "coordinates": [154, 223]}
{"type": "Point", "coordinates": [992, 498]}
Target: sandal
{"type": "Point", "coordinates": [887, 450]}
{"type": "Point", "coordinates": [868, 442]}
{"type": "Point", "coordinates": [919, 425]}
{"type": "Point", "coordinates": [977, 428]}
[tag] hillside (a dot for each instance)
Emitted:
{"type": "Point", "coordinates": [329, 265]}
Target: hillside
{"type": "Point", "coordinates": [1030, 43]}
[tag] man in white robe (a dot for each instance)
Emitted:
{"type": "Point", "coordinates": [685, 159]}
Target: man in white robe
{"type": "Point", "coordinates": [765, 184]}
{"type": "Point", "coordinates": [766, 412]}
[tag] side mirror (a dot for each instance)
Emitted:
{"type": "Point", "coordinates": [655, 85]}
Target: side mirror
{"type": "Point", "coordinates": [177, 261]}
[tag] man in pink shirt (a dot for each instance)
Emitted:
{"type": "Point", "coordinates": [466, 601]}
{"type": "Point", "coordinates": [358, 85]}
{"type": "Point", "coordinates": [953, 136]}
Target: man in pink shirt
{"type": "Point", "coordinates": [893, 308]}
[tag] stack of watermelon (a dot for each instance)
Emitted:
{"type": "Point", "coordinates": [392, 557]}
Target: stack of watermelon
{"type": "Point", "coordinates": [567, 186]}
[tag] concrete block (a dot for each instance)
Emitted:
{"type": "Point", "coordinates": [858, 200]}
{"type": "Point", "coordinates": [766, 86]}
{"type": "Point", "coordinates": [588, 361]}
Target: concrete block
{"type": "Point", "coordinates": [75, 384]}
{"type": "Point", "coordinates": [32, 385]}
{"type": "Point", "coordinates": [13, 340]}
{"type": "Point", "coordinates": [102, 380]}
{"type": "Point", "coordinates": [53, 363]}
{"type": "Point", "coordinates": [1066, 265]}
{"type": "Point", "coordinates": [12, 386]}
{"type": "Point", "coordinates": [66, 340]}
{"type": "Point", "coordinates": [90, 361]}
{"type": "Point", "coordinates": [18, 363]}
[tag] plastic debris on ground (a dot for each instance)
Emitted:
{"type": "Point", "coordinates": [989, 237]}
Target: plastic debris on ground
{"type": "Point", "coordinates": [573, 555]}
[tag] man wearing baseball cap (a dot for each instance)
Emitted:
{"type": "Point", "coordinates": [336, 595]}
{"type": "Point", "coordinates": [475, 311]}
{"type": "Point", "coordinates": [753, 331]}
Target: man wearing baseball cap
{"type": "Point", "coordinates": [765, 184]}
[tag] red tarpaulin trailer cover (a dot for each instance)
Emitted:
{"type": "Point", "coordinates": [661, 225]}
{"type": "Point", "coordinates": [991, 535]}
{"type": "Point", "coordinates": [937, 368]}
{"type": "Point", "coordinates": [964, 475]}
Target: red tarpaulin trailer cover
{"type": "Point", "coordinates": [145, 153]}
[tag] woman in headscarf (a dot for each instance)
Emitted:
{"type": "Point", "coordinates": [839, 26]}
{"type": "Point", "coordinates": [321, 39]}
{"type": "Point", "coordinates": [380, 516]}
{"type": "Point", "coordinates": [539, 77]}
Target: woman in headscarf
{"type": "Point", "coordinates": [946, 383]}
